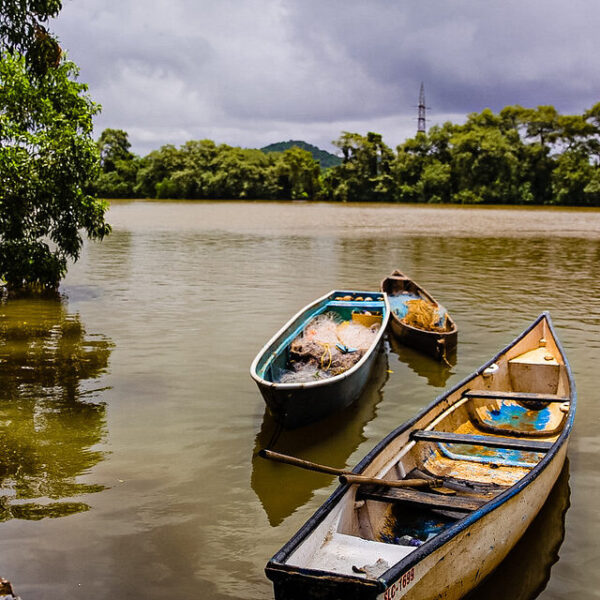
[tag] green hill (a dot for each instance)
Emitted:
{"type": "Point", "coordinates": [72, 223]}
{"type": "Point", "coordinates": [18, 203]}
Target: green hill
{"type": "Point", "coordinates": [327, 159]}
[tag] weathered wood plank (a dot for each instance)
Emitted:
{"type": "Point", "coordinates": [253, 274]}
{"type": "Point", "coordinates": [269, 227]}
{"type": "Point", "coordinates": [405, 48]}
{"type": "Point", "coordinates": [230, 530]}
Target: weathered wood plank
{"type": "Point", "coordinates": [517, 396]}
{"type": "Point", "coordinates": [490, 441]}
{"type": "Point", "coordinates": [463, 486]}
{"type": "Point", "coordinates": [396, 495]}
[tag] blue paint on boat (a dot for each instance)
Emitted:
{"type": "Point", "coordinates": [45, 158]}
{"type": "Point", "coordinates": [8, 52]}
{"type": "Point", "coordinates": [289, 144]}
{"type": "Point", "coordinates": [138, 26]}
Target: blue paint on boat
{"type": "Point", "coordinates": [516, 416]}
{"type": "Point", "coordinates": [399, 303]}
{"type": "Point", "coordinates": [399, 306]}
{"type": "Point", "coordinates": [486, 455]}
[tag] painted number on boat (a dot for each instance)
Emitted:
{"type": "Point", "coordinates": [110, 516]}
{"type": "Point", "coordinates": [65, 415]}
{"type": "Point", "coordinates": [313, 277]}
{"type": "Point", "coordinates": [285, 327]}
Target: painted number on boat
{"type": "Point", "coordinates": [398, 587]}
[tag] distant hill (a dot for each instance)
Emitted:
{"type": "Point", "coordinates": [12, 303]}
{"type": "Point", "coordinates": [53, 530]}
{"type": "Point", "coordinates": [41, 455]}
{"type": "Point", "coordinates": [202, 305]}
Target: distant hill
{"type": "Point", "coordinates": [327, 159]}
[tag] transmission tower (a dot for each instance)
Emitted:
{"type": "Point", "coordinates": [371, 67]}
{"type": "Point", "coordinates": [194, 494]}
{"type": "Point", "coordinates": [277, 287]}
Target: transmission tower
{"type": "Point", "coordinates": [421, 121]}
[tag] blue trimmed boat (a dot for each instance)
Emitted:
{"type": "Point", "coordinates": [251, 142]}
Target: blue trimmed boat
{"type": "Point", "coordinates": [326, 390]}
{"type": "Point", "coordinates": [491, 450]}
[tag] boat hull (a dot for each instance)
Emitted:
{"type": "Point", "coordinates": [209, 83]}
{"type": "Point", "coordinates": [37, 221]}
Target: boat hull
{"type": "Point", "coordinates": [444, 440]}
{"type": "Point", "coordinates": [454, 569]}
{"type": "Point", "coordinates": [433, 343]}
{"type": "Point", "coordinates": [437, 344]}
{"type": "Point", "coordinates": [468, 558]}
{"type": "Point", "coordinates": [296, 404]}
{"type": "Point", "coordinates": [304, 405]}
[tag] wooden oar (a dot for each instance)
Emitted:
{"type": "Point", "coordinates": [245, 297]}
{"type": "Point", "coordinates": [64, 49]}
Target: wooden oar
{"type": "Point", "coordinates": [344, 475]}
{"type": "Point", "coordinates": [397, 483]}
{"type": "Point", "coordinates": [303, 464]}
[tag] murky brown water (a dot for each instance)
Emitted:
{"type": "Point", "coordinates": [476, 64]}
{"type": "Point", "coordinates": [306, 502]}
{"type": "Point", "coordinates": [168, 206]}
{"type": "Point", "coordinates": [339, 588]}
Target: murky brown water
{"type": "Point", "coordinates": [129, 422]}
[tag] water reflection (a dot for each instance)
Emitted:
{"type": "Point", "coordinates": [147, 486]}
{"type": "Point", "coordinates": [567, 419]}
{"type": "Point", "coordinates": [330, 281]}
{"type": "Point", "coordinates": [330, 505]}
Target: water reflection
{"type": "Point", "coordinates": [434, 371]}
{"type": "Point", "coordinates": [49, 419]}
{"type": "Point", "coordinates": [525, 572]}
{"type": "Point", "coordinates": [282, 488]}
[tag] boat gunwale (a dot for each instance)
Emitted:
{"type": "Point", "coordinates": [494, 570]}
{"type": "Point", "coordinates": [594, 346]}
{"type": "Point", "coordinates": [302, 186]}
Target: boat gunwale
{"type": "Point", "coordinates": [261, 381]}
{"type": "Point", "coordinates": [400, 322]}
{"type": "Point", "coordinates": [392, 574]}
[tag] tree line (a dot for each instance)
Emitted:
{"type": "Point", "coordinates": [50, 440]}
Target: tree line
{"type": "Point", "coordinates": [517, 156]}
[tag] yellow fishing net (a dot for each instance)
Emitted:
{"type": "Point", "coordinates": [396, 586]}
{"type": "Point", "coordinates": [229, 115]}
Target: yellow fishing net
{"type": "Point", "coordinates": [424, 315]}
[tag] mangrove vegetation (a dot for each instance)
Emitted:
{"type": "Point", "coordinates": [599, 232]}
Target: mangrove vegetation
{"type": "Point", "coordinates": [517, 156]}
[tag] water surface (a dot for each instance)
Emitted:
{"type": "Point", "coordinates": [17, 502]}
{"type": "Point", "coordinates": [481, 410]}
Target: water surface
{"type": "Point", "coordinates": [129, 423]}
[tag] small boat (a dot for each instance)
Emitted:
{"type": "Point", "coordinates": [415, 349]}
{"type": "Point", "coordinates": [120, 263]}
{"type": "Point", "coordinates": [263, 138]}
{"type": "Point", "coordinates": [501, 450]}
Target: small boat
{"type": "Point", "coordinates": [335, 374]}
{"type": "Point", "coordinates": [490, 450]}
{"type": "Point", "coordinates": [417, 319]}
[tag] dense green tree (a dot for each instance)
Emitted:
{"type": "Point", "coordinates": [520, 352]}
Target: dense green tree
{"type": "Point", "coordinates": [201, 169]}
{"type": "Point", "coordinates": [118, 176]}
{"type": "Point", "coordinates": [157, 167]}
{"type": "Point", "coordinates": [366, 170]}
{"type": "Point", "coordinates": [298, 174]}
{"type": "Point", "coordinates": [421, 169]}
{"type": "Point", "coordinates": [575, 180]}
{"type": "Point", "coordinates": [113, 145]}
{"type": "Point", "coordinates": [22, 32]}
{"type": "Point", "coordinates": [47, 156]}
{"type": "Point", "coordinates": [484, 164]}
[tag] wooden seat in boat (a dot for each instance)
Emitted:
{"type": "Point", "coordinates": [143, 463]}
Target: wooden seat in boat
{"type": "Point", "coordinates": [421, 435]}
{"type": "Point", "coordinates": [515, 396]}
{"type": "Point", "coordinates": [404, 495]}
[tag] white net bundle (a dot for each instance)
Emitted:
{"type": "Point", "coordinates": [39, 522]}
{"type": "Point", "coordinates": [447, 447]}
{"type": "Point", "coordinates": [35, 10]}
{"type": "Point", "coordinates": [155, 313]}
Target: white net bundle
{"type": "Point", "coordinates": [326, 347]}
{"type": "Point", "coordinates": [356, 335]}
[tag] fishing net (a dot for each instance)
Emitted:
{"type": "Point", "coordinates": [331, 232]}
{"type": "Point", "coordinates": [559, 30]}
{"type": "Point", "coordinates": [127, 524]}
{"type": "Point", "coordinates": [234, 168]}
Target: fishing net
{"type": "Point", "coordinates": [425, 315]}
{"type": "Point", "coordinates": [327, 347]}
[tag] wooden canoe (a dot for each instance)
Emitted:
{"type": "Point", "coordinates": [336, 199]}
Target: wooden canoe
{"type": "Point", "coordinates": [437, 343]}
{"type": "Point", "coordinates": [498, 440]}
{"type": "Point", "coordinates": [299, 403]}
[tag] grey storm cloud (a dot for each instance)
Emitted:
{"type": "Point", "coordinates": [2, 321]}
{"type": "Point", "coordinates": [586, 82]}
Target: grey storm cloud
{"type": "Point", "coordinates": [251, 72]}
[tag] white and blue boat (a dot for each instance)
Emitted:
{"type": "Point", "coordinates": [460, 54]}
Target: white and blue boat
{"type": "Point", "coordinates": [326, 389]}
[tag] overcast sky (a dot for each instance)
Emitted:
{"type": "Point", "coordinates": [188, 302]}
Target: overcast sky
{"type": "Point", "coordinates": [253, 72]}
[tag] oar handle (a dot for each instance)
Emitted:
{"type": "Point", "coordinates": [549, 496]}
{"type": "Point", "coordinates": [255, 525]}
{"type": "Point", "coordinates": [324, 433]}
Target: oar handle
{"type": "Point", "coordinates": [298, 462]}
{"type": "Point", "coordinates": [344, 475]}
{"type": "Point", "coordinates": [398, 483]}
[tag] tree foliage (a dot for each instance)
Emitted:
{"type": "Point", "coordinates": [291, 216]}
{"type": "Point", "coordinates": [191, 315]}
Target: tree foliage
{"type": "Point", "coordinates": [200, 169]}
{"type": "Point", "coordinates": [517, 156]}
{"type": "Point", "coordinates": [47, 156]}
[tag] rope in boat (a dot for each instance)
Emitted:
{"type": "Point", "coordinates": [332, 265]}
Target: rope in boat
{"type": "Point", "coordinates": [327, 350]}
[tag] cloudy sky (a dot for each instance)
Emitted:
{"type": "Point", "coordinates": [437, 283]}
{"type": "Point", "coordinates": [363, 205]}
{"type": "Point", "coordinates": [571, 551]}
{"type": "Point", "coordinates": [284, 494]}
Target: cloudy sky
{"type": "Point", "coordinates": [253, 72]}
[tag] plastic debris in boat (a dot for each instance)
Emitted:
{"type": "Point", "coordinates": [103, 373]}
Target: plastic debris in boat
{"type": "Point", "coordinates": [374, 570]}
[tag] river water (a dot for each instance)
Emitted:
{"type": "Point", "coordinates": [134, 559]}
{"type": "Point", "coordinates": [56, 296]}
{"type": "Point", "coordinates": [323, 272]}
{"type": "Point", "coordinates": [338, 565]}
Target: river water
{"type": "Point", "coordinates": [129, 423]}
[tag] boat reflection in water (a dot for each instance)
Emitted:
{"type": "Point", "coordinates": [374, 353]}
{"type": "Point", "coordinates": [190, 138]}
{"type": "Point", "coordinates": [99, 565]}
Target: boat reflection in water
{"type": "Point", "coordinates": [50, 419]}
{"type": "Point", "coordinates": [434, 371]}
{"type": "Point", "coordinates": [330, 441]}
{"type": "Point", "coordinates": [525, 572]}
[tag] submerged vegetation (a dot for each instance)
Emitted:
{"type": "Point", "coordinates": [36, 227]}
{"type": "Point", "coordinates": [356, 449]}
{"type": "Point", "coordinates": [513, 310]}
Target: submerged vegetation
{"type": "Point", "coordinates": [517, 156]}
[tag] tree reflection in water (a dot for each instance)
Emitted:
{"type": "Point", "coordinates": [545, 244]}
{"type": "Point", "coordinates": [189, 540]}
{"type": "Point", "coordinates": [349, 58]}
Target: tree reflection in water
{"type": "Point", "coordinates": [50, 420]}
